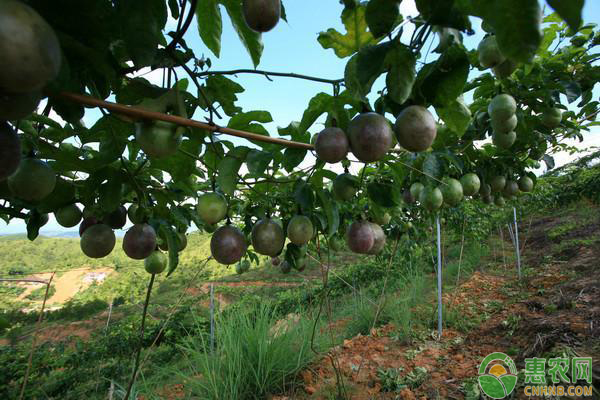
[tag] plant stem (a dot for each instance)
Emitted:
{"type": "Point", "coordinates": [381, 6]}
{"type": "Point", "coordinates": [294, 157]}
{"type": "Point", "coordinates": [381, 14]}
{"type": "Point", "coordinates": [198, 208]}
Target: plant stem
{"type": "Point", "coordinates": [271, 73]}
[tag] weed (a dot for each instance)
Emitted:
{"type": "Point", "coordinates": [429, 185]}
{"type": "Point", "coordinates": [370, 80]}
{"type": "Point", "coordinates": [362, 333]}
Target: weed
{"type": "Point", "coordinates": [391, 381]}
{"type": "Point", "coordinates": [511, 324]}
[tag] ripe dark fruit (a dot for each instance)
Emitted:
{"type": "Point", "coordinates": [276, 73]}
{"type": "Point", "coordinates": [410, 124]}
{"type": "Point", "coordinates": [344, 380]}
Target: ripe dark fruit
{"type": "Point", "coordinates": [212, 207]}
{"type": "Point", "coordinates": [158, 138]}
{"type": "Point", "coordinates": [30, 50]}
{"type": "Point", "coordinates": [500, 125]}
{"type": "Point", "coordinates": [488, 52]}
{"type": "Point", "coordinates": [504, 140]}
{"type": "Point", "coordinates": [156, 262]}
{"type": "Point", "coordinates": [16, 106]}
{"type": "Point", "coordinates": [68, 216]}
{"type": "Point", "coordinates": [344, 187]}
{"type": "Point", "coordinates": [267, 237]}
{"type": "Point", "coordinates": [497, 183]}
{"type": "Point", "coordinates": [415, 128]}
{"type": "Point", "coordinates": [261, 15]}
{"type": "Point", "coordinates": [431, 198]}
{"type": "Point", "coordinates": [10, 151]}
{"type": "Point", "coordinates": [117, 218]}
{"type": "Point", "coordinates": [98, 241]}
{"type": "Point", "coordinates": [379, 239]}
{"type": "Point", "coordinates": [360, 237]}
{"type": "Point", "coordinates": [502, 107]}
{"type": "Point", "coordinates": [511, 188]}
{"type": "Point", "coordinates": [415, 189]}
{"type": "Point", "coordinates": [275, 261]}
{"type": "Point", "coordinates": [33, 180]}
{"type": "Point", "coordinates": [552, 117]}
{"type": "Point", "coordinates": [228, 245]}
{"type": "Point", "coordinates": [332, 145]}
{"type": "Point", "coordinates": [470, 184]}
{"type": "Point", "coordinates": [526, 184]}
{"type": "Point", "coordinates": [452, 191]}
{"type": "Point", "coordinates": [300, 230]}
{"type": "Point", "coordinates": [134, 214]}
{"type": "Point", "coordinates": [408, 197]}
{"type": "Point", "coordinates": [86, 223]}
{"type": "Point", "coordinates": [139, 241]}
{"type": "Point", "coordinates": [370, 136]}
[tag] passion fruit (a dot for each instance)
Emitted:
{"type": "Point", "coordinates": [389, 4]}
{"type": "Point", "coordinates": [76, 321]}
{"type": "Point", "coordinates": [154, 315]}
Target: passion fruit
{"type": "Point", "coordinates": [344, 187]}
{"type": "Point", "coordinates": [498, 183]}
{"type": "Point", "coordinates": [552, 117]}
{"type": "Point", "coordinates": [485, 190]}
{"type": "Point", "coordinates": [31, 55]}
{"type": "Point", "coordinates": [86, 223]}
{"type": "Point", "coordinates": [158, 138]}
{"type": "Point", "coordinates": [488, 52]}
{"type": "Point", "coordinates": [415, 128]}
{"type": "Point", "coordinates": [68, 216]}
{"type": "Point", "coordinates": [502, 107]}
{"type": "Point", "coordinates": [300, 230]}
{"type": "Point", "coordinates": [504, 140]}
{"type": "Point", "coordinates": [117, 218]}
{"type": "Point", "coordinates": [16, 106]}
{"type": "Point", "coordinates": [286, 268]}
{"type": "Point", "coordinates": [525, 184]}
{"type": "Point", "coordinates": [139, 241]}
{"type": "Point", "coordinates": [360, 237]}
{"type": "Point", "coordinates": [98, 241]}
{"type": "Point", "coordinates": [382, 219]}
{"type": "Point", "coordinates": [470, 184]}
{"type": "Point", "coordinates": [452, 191]}
{"type": "Point", "coordinates": [267, 237]}
{"type": "Point", "coordinates": [261, 15]}
{"type": "Point", "coordinates": [370, 136]}
{"type": "Point", "coordinates": [134, 213]}
{"type": "Point", "coordinates": [212, 208]}
{"type": "Point", "coordinates": [500, 125]}
{"type": "Point", "coordinates": [10, 151]}
{"type": "Point", "coordinates": [416, 189]}
{"type": "Point", "coordinates": [408, 197]}
{"type": "Point", "coordinates": [33, 180]}
{"type": "Point", "coordinates": [332, 145]}
{"type": "Point", "coordinates": [378, 239]}
{"type": "Point", "coordinates": [228, 245]}
{"type": "Point", "coordinates": [505, 69]}
{"type": "Point", "coordinates": [511, 188]}
{"type": "Point", "coordinates": [275, 261]}
{"type": "Point", "coordinates": [499, 201]}
{"type": "Point", "coordinates": [431, 198]}
{"type": "Point", "coordinates": [156, 262]}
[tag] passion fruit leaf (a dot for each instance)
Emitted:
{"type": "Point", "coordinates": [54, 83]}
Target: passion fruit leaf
{"type": "Point", "coordinates": [357, 35]}
{"type": "Point", "coordinates": [456, 115]}
{"type": "Point", "coordinates": [319, 104]}
{"type": "Point", "coordinates": [443, 81]}
{"type": "Point", "coordinates": [382, 16]}
{"type": "Point", "coordinates": [210, 24]}
{"type": "Point", "coordinates": [402, 73]}
{"type": "Point", "coordinates": [166, 231]}
{"type": "Point", "coordinates": [257, 161]}
{"type": "Point", "coordinates": [34, 223]}
{"type": "Point", "coordinates": [251, 40]}
{"type": "Point", "coordinates": [385, 194]}
{"type": "Point", "coordinates": [223, 91]}
{"type": "Point", "coordinates": [443, 13]}
{"type": "Point", "coordinates": [331, 210]}
{"type": "Point", "coordinates": [110, 192]}
{"type": "Point", "coordinates": [304, 196]}
{"type": "Point", "coordinates": [570, 11]}
{"type": "Point", "coordinates": [549, 160]}
{"type": "Point", "coordinates": [370, 62]}
{"type": "Point", "coordinates": [229, 167]}
{"type": "Point", "coordinates": [292, 157]}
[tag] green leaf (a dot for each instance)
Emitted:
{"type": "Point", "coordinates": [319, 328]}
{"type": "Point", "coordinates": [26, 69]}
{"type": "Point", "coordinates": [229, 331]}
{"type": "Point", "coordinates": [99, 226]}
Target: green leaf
{"type": "Point", "coordinates": [549, 160]}
{"type": "Point", "coordinates": [570, 11]}
{"type": "Point", "coordinates": [443, 81]}
{"type": "Point", "coordinates": [443, 13]}
{"type": "Point", "coordinates": [229, 168]}
{"type": "Point", "coordinates": [257, 161]}
{"type": "Point", "coordinates": [402, 73]}
{"type": "Point", "coordinates": [456, 115]}
{"type": "Point", "coordinates": [371, 63]}
{"type": "Point", "coordinates": [223, 90]}
{"type": "Point", "coordinates": [110, 192]}
{"type": "Point", "coordinates": [174, 7]}
{"type": "Point", "coordinates": [166, 231]}
{"type": "Point", "coordinates": [304, 196]}
{"type": "Point", "coordinates": [244, 122]}
{"type": "Point", "coordinates": [356, 38]}
{"type": "Point", "coordinates": [292, 157]}
{"type": "Point", "coordinates": [384, 194]}
{"type": "Point", "coordinates": [34, 223]}
{"type": "Point", "coordinates": [251, 40]}
{"type": "Point", "coordinates": [331, 210]}
{"type": "Point", "coordinates": [382, 16]}
{"type": "Point", "coordinates": [210, 25]}
{"type": "Point", "coordinates": [571, 89]}
{"type": "Point", "coordinates": [318, 105]}
{"type": "Point", "coordinates": [180, 165]}
{"type": "Point", "coordinates": [431, 166]}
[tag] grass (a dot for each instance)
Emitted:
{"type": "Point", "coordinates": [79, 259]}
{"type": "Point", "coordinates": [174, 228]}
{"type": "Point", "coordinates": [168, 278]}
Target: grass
{"type": "Point", "coordinates": [560, 230]}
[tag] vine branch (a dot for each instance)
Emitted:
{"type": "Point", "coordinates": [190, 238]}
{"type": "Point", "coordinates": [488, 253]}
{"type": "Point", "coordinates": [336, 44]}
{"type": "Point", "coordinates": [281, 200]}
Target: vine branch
{"type": "Point", "coordinates": [271, 73]}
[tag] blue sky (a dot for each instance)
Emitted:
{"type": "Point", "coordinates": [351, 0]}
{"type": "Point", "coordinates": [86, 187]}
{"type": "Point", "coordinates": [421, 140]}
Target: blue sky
{"type": "Point", "coordinates": [291, 47]}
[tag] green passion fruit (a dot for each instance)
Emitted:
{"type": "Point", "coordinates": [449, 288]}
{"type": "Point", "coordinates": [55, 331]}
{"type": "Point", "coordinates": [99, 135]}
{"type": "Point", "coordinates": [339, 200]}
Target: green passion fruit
{"type": "Point", "coordinates": [332, 145]}
{"type": "Point", "coordinates": [261, 15]}
{"type": "Point", "coordinates": [68, 216]}
{"type": "Point", "coordinates": [212, 208]}
{"type": "Point", "coordinates": [502, 107]}
{"type": "Point", "coordinates": [500, 125]}
{"type": "Point", "coordinates": [499, 201]}
{"type": "Point", "coordinates": [431, 198]}
{"type": "Point", "coordinates": [497, 183]}
{"type": "Point", "coordinates": [552, 117]}
{"type": "Point", "coordinates": [488, 52]}
{"type": "Point", "coordinates": [228, 245]}
{"type": "Point", "coordinates": [488, 199]}
{"type": "Point", "coordinates": [511, 188]}
{"type": "Point", "coordinates": [504, 140]}
{"type": "Point", "coordinates": [267, 237]}
{"type": "Point", "coordinates": [416, 189]}
{"type": "Point", "coordinates": [525, 184]}
{"type": "Point", "coordinates": [181, 242]}
{"type": "Point", "coordinates": [156, 262]}
{"type": "Point", "coordinates": [415, 128]}
{"type": "Point", "coordinates": [10, 151]}
{"type": "Point", "coordinates": [300, 230]}
{"type": "Point", "coordinates": [158, 138]}
{"type": "Point", "coordinates": [139, 241]}
{"type": "Point", "coordinates": [360, 237]}
{"type": "Point", "coordinates": [382, 219]}
{"type": "Point", "coordinates": [33, 180]}
{"type": "Point", "coordinates": [14, 106]}
{"type": "Point", "coordinates": [344, 187]}
{"type": "Point", "coordinates": [470, 184]}
{"type": "Point", "coordinates": [452, 191]}
{"type": "Point", "coordinates": [370, 136]}
{"type": "Point", "coordinates": [505, 69]}
{"type": "Point", "coordinates": [98, 241]}
{"type": "Point", "coordinates": [31, 55]}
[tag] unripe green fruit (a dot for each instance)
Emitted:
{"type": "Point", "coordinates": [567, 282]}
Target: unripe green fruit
{"type": "Point", "coordinates": [552, 117]}
{"type": "Point", "coordinates": [504, 140]}
{"type": "Point", "coordinates": [133, 214]}
{"type": "Point", "coordinates": [505, 69]}
{"type": "Point", "coordinates": [485, 190]}
{"type": "Point", "coordinates": [452, 191]}
{"type": "Point", "coordinates": [68, 216]}
{"type": "Point", "coordinates": [33, 180]}
{"type": "Point", "coordinates": [158, 138]}
{"type": "Point", "coordinates": [382, 219]}
{"type": "Point", "coordinates": [300, 230]}
{"type": "Point", "coordinates": [181, 237]}
{"type": "Point", "coordinates": [431, 198]}
{"type": "Point", "coordinates": [499, 201]}
{"type": "Point", "coordinates": [212, 208]}
{"type": "Point", "coordinates": [489, 199]}
{"type": "Point", "coordinates": [416, 189]}
{"type": "Point", "coordinates": [526, 184]}
{"type": "Point", "coordinates": [502, 107]}
{"type": "Point", "coordinates": [156, 262]}
{"type": "Point", "coordinates": [470, 184]}
{"type": "Point", "coordinates": [511, 188]}
{"type": "Point", "coordinates": [415, 128]}
{"type": "Point", "coordinates": [344, 187]}
{"type": "Point", "coordinates": [500, 125]}
{"type": "Point", "coordinates": [98, 241]}
{"type": "Point", "coordinates": [497, 183]}
{"type": "Point", "coordinates": [488, 52]}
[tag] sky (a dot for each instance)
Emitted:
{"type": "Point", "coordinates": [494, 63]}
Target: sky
{"type": "Point", "coordinates": [293, 47]}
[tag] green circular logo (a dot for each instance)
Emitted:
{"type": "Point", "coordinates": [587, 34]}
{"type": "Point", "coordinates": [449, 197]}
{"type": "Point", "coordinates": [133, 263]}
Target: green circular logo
{"type": "Point", "coordinates": [494, 379]}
